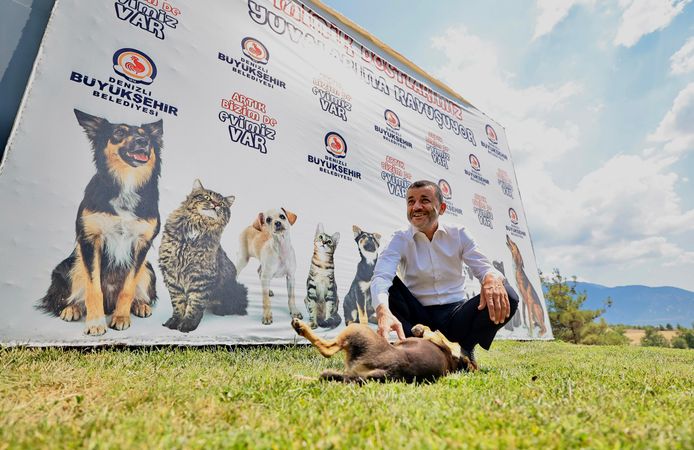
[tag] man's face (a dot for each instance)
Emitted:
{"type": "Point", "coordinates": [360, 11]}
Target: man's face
{"type": "Point", "coordinates": [423, 208]}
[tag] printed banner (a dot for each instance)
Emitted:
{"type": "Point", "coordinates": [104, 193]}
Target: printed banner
{"type": "Point", "coordinates": [202, 172]}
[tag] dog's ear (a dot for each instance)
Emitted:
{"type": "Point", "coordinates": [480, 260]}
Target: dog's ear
{"type": "Point", "coordinates": [230, 199]}
{"type": "Point", "coordinates": [336, 238]}
{"type": "Point", "coordinates": [258, 224]}
{"type": "Point", "coordinates": [319, 230]}
{"type": "Point", "coordinates": [197, 185]}
{"type": "Point", "coordinates": [377, 236]}
{"type": "Point", "coordinates": [91, 124]}
{"type": "Point", "coordinates": [155, 130]}
{"type": "Point", "coordinates": [356, 230]}
{"type": "Point", "coordinates": [290, 216]}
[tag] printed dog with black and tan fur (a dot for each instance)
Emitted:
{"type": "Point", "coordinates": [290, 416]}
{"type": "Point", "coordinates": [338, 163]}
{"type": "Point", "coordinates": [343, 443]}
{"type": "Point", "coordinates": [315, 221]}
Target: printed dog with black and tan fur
{"type": "Point", "coordinates": [532, 305]}
{"type": "Point", "coordinates": [116, 222]}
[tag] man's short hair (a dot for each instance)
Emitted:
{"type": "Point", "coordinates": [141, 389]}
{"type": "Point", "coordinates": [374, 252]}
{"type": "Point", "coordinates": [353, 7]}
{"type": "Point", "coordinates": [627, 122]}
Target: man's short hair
{"type": "Point", "coordinates": [425, 183]}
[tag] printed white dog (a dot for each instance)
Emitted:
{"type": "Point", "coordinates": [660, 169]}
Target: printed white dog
{"type": "Point", "coordinates": [268, 240]}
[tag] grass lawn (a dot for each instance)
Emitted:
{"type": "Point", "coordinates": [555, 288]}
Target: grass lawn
{"type": "Point", "coordinates": [528, 395]}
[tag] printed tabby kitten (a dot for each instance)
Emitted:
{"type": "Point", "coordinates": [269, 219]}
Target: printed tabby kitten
{"type": "Point", "coordinates": [196, 269]}
{"type": "Point", "coordinates": [321, 290]}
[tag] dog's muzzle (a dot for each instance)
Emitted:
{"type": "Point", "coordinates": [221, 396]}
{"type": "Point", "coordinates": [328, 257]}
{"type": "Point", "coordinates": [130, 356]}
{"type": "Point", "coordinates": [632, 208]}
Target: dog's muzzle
{"type": "Point", "coordinates": [137, 154]}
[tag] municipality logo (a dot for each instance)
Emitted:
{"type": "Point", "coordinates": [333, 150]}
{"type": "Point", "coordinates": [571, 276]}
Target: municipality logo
{"type": "Point", "coordinates": [134, 66]}
{"type": "Point", "coordinates": [475, 174]}
{"type": "Point", "coordinates": [474, 162]}
{"type": "Point", "coordinates": [391, 132]}
{"type": "Point", "coordinates": [513, 215]}
{"type": "Point", "coordinates": [392, 119]}
{"type": "Point", "coordinates": [492, 145]}
{"type": "Point", "coordinates": [491, 135]}
{"type": "Point", "coordinates": [335, 145]}
{"type": "Point", "coordinates": [447, 193]}
{"type": "Point", "coordinates": [255, 50]}
{"type": "Point", "coordinates": [445, 189]}
{"type": "Point", "coordinates": [334, 163]}
{"type": "Point", "coordinates": [514, 229]}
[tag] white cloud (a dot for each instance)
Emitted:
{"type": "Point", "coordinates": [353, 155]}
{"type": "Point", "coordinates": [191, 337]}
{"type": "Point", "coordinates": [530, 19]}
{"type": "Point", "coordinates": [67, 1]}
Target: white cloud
{"type": "Point", "coordinates": [621, 251]}
{"type": "Point", "coordinates": [642, 17]}
{"type": "Point", "coordinates": [676, 130]}
{"type": "Point", "coordinates": [683, 60]}
{"type": "Point", "coordinates": [473, 67]}
{"type": "Point", "coordinates": [552, 12]}
{"type": "Point", "coordinates": [622, 213]}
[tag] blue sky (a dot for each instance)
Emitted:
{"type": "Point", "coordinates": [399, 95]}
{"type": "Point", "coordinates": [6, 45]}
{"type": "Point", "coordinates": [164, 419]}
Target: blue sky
{"type": "Point", "coordinates": [597, 98]}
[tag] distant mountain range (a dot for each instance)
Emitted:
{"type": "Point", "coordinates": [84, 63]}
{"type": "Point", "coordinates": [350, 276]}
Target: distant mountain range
{"type": "Point", "coordinates": [641, 305]}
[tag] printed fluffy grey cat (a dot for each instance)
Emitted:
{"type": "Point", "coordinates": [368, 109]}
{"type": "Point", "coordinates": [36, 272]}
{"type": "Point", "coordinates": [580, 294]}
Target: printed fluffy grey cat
{"type": "Point", "coordinates": [197, 271]}
{"type": "Point", "coordinates": [321, 290]}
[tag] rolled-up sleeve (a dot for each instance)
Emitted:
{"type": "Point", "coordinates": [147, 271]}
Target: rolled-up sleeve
{"type": "Point", "coordinates": [386, 268]}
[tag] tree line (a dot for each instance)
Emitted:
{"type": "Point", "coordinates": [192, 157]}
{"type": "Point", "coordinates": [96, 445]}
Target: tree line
{"type": "Point", "coordinates": [572, 323]}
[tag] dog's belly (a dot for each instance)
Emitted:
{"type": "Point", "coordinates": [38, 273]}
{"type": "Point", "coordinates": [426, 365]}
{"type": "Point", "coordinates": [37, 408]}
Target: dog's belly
{"type": "Point", "coordinates": [279, 271]}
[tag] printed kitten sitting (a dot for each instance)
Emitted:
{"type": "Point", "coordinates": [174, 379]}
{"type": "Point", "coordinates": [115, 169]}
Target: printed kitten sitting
{"type": "Point", "coordinates": [197, 271]}
{"type": "Point", "coordinates": [321, 290]}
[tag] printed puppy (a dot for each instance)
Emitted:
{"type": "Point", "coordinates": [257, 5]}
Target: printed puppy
{"type": "Point", "coordinates": [358, 299]}
{"type": "Point", "coordinates": [531, 301]}
{"type": "Point", "coordinates": [116, 222]}
{"type": "Point", "coordinates": [369, 356]}
{"type": "Point", "coordinates": [267, 239]}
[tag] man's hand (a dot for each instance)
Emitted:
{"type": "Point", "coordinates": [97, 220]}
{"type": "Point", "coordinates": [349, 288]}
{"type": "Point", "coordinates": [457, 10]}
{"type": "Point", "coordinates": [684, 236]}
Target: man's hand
{"type": "Point", "coordinates": [388, 322]}
{"type": "Point", "coordinates": [494, 298]}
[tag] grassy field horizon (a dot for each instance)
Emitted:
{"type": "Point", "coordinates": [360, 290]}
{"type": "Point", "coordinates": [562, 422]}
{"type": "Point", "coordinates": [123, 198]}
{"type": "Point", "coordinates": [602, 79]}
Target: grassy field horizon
{"type": "Point", "coordinates": [527, 395]}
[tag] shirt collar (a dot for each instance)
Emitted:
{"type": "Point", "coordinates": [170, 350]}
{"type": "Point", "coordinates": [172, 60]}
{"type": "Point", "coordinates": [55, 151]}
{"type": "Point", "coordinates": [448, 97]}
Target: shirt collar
{"type": "Point", "coordinates": [442, 228]}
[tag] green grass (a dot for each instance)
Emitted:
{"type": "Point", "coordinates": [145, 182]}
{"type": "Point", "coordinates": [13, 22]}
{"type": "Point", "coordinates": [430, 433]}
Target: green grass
{"type": "Point", "coordinates": [528, 395]}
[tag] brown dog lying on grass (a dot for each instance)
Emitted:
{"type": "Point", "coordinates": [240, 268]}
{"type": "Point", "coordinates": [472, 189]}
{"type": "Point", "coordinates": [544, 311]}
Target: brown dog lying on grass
{"type": "Point", "coordinates": [369, 356]}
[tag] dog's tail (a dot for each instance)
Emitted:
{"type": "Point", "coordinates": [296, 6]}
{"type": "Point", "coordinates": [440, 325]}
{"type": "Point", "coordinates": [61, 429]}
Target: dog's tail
{"type": "Point", "coordinates": [59, 291]}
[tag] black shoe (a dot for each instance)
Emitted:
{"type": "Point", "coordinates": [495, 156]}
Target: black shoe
{"type": "Point", "coordinates": [471, 363]}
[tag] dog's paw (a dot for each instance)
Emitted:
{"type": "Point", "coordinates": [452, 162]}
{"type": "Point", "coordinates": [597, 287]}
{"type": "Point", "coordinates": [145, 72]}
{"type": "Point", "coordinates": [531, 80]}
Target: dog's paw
{"type": "Point", "coordinates": [141, 309]}
{"type": "Point", "coordinates": [71, 313]}
{"type": "Point", "coordinates": [120, 322]}
{"type": "Point", "coordinates": [172, 323]}
{"type": "Point", "coordinates": [298, 326]}
{"type": "Point", "coordinates": [267, 319]}
{"type": "Point", "coordinates": [419, 330]}
{"type": "Point", "coordinates": [95, 327]}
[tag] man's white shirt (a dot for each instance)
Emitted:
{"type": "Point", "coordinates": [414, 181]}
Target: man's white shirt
{"type": "Point", "coordinates": [431, 270]}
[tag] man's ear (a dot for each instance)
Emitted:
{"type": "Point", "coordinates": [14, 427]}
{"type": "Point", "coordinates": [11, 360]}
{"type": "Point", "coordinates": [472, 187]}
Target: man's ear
{"type": "Point", "coordinates": [442, 208]}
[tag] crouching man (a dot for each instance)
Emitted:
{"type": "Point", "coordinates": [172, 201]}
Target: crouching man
{"type": "Point", "coordinates": [430, 288]}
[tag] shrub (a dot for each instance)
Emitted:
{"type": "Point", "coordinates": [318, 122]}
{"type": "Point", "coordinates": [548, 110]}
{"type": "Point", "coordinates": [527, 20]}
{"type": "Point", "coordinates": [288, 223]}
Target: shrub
{"type": "Point", "coordinates": [688, 336]}
{"type": "Point", "coordinates": [653, 338]}
{"type": "Point", "coordinates": [678, 342]}
{"type": "Point", "coordinates": [601, 333]}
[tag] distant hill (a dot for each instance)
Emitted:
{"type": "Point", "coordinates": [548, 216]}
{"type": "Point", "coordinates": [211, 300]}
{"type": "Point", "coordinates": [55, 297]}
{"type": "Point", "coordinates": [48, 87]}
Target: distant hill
{"type": "Point", "coordinates": [641, 305]}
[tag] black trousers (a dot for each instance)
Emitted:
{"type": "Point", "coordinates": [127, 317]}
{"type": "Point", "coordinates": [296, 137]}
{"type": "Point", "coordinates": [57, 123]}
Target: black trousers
{"type": "Point", "coordinates": [460, 322]}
